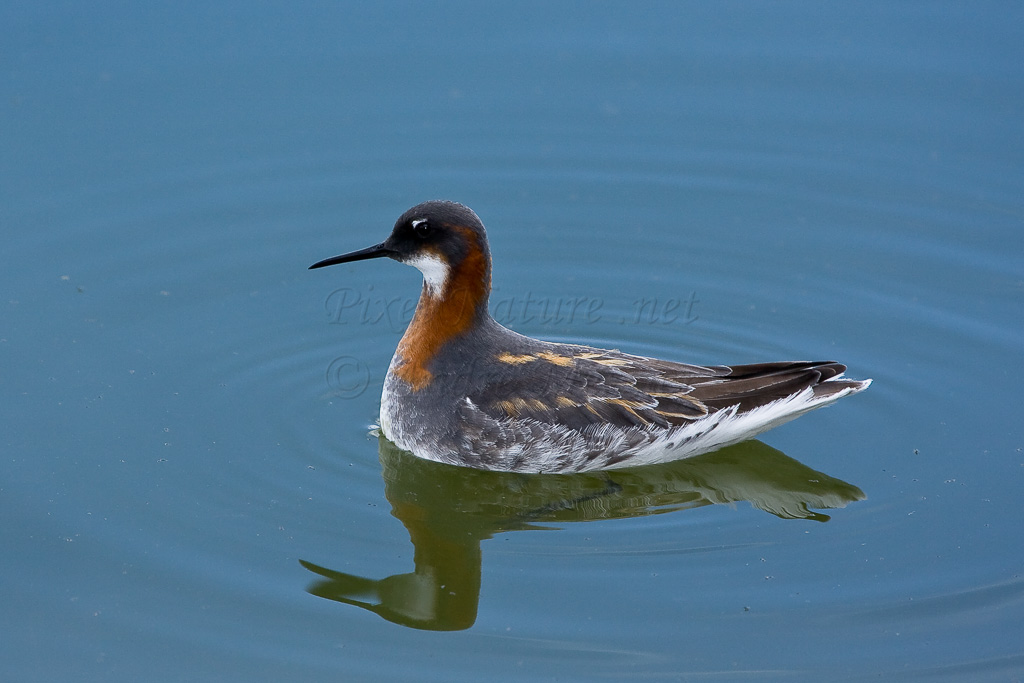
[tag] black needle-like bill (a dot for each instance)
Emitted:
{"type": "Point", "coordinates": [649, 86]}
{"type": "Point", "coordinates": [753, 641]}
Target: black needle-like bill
{"type": "Point", "coordinates": [376, 251]}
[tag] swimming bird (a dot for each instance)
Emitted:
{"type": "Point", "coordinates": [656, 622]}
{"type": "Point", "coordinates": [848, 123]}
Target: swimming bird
{"type": "Point", "coordinates": [465, 390]}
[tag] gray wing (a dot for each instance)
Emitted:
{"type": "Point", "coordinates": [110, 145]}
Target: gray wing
{"type": "Point", "coordinates": [579, 386]}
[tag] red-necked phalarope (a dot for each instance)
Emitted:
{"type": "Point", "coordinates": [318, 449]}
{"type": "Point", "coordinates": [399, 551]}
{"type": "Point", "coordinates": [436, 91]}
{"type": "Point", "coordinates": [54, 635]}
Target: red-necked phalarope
{"type": "Point", "coordinates": [463, 389]}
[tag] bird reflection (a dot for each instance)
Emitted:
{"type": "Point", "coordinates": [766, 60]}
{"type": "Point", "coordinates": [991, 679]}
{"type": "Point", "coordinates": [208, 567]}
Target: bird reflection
{"type": "Point", "coordinates": [449, 510]}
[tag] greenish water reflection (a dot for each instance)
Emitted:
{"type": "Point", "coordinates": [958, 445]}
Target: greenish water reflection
{"type": "Point", "coordinates": [449, 510]}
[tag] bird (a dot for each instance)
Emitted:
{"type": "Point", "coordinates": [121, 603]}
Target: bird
{"type": "Point", "coordinates": [465, 390]}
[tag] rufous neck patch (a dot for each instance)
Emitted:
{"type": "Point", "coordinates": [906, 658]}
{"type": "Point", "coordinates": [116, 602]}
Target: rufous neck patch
{"type": "Point", "coordinates": [440, 316]}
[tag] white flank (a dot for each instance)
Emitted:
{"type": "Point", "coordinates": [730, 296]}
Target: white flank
{"type": "Point", "coordinates": [632, 447]}
{"type": "Point", "coordinates": [435, 272]}
{"type": "Point", "coordinates": [514, 444]}
{"type": "Point", "coordinates": [726, 427]}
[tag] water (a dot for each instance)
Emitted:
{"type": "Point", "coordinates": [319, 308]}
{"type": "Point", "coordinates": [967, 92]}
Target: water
{"type": "Point", "coordinates": [189, 485]}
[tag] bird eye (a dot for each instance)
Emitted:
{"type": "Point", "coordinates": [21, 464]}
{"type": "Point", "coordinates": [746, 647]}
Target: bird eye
{"type": "Point", "coordinates": [421, 227]}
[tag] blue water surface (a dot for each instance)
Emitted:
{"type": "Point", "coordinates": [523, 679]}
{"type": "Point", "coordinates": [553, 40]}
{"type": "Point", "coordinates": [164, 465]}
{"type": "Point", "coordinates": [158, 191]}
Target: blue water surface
{"type": "Point", "coordinates": [190, 488]}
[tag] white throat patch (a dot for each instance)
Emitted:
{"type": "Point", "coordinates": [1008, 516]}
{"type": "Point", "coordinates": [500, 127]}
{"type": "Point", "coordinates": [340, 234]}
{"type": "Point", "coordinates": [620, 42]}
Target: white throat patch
{"type": "Point", "coordinates": [435, 272]}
